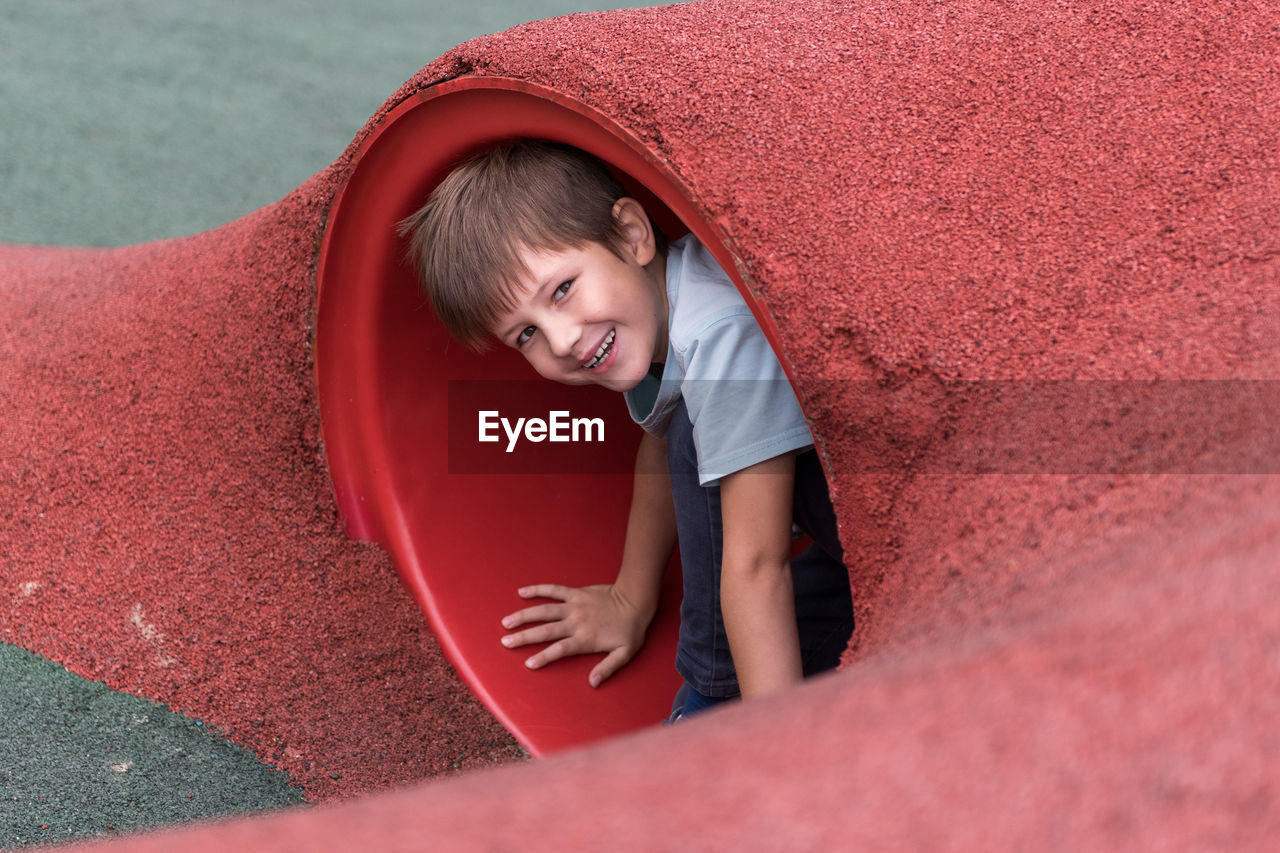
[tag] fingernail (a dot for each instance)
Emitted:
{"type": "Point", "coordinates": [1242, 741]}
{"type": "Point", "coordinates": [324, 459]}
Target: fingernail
{"type": "Point", "coordinates": [594, 680]}
{"type": "Point", "coordinates": [506, 623]}
{"type": "Point", "coordinates": [530, 663]}
{"type": "Point", "coordinates": [507, 641]}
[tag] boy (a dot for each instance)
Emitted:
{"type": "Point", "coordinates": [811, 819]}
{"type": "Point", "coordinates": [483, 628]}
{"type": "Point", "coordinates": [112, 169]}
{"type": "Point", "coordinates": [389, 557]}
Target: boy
{"type": "Point", "coordinates": [537, 245]}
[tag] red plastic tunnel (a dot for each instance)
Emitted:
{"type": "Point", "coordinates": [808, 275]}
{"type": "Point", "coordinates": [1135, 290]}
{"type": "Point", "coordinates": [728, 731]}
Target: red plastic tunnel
{"type": "Point", "coordinates": [957, 222]}
{"type": "Point", "coordinates": [464, 541]}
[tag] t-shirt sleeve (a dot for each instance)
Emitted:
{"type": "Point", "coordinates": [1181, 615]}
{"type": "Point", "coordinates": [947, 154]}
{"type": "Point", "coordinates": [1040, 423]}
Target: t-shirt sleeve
{"type": "Point", "coordinates": [742, 406]}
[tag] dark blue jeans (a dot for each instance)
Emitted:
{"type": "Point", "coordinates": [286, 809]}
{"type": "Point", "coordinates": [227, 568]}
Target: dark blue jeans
{"type": "Point", "coordinates": [824, 610]}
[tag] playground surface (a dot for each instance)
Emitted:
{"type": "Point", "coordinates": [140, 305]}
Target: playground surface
{"type": "Point", "coordinates": [136, 121]}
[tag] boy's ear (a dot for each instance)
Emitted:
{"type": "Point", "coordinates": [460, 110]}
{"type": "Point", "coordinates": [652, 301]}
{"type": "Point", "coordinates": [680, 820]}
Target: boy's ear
{"type": "Point", "coordinates": [636, 229]}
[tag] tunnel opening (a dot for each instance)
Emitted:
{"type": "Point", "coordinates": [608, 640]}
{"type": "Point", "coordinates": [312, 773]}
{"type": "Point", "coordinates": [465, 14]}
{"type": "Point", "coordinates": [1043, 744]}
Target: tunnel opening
{"type": "Point", "coordinates": [464, 534]}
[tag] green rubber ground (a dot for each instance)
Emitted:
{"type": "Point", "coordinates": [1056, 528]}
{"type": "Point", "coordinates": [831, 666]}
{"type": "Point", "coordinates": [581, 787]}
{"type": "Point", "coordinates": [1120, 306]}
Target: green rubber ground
{"type": "Point", "coordinates": [80, 760]}
{"type": "Point", "coordinates": [133, 120]}
{"type": "Point", "coordinates": [125, 121]}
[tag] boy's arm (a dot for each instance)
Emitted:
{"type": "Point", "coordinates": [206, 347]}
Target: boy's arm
{"type": "Point", "coordinates": [651, 528]}
{"type": "Point", "coordinates": [610, 618]}
{"type": "Point", "coordinates": [756, 595]}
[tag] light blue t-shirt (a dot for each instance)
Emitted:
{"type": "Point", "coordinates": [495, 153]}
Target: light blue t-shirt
{"type": "Point", "coordinates": [740, 402]}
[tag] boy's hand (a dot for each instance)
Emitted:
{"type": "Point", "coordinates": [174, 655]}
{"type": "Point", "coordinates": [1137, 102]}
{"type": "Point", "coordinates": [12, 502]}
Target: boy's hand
{"type": "Point", "coordinates": [583, 620]}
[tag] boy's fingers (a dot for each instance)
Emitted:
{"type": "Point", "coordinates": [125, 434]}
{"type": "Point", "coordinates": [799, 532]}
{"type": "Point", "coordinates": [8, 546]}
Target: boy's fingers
{"type": "Point", "coordinates": [550, 654]}
{"type": "Point", "coordinates": [545, 590]}
{"type": "Point", "coordinates": [540, 613]}
{"type": "Point", "coordinates": [539, 634]}
{"type": "Point", "coordinates": [612, 662]}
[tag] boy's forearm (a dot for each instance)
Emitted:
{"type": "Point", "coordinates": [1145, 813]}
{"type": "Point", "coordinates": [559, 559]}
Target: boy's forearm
{"type": "Point", "coordinates": [756, 595]}
{"type": "Point", "coordinates": [651, 528]}
{"type": "Point", "coordinates": [758, 604]}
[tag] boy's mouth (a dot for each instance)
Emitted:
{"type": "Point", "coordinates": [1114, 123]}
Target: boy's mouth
{"type": "Point", "coordinates": [602, 352]}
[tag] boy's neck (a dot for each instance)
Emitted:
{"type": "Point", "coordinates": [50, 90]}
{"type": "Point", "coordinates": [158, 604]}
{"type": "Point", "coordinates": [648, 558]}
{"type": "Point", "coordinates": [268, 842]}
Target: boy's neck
{"type": "Point", "coordinates": [657, 269]}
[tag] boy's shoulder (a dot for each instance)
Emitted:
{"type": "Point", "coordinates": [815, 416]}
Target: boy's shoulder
{"type": "Point", "coordinates": [701, 294]}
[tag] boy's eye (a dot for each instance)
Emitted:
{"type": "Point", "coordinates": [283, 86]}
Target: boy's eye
{"type": "Point", "coordinates": [563, 289]}
{"type": "Point", "coordinates": [525, 334]}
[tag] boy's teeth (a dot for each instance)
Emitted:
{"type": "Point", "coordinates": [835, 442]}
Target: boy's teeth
{"type": "Point", "coordinates": [604, 348]}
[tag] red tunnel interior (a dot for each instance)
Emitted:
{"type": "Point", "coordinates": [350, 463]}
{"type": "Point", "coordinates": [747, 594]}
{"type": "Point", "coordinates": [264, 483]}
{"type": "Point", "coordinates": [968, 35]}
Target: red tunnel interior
{"type": "Point", "coordinates": [463, 542]}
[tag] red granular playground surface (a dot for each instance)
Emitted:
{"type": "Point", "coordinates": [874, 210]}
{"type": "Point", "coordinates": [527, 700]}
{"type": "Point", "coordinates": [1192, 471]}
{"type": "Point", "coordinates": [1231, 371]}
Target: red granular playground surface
{"type": "Point", "coordinates": [918, 194]}
{"type": "Point", "coordinates": [169, 527]}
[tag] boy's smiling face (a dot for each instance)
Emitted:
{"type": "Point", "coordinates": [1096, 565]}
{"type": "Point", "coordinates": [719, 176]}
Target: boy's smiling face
{"type": "Point", "coordinates": [587, 316]}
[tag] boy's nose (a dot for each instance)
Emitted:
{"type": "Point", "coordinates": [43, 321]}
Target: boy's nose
{"type": "Point", "coordinates": [562, 337]}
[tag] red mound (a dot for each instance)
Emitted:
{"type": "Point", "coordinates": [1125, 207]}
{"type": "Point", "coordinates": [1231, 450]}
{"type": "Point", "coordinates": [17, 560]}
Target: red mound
{"type": "Point", "coordinates": [168, 524]}
{"type": "Point", "coordinates": [916, 194]}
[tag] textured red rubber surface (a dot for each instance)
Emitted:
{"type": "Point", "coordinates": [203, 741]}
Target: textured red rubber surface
{"type": "Point", "coordinates": [917, 193]}
{"type": "Point", "coordinates": [168, 526]}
